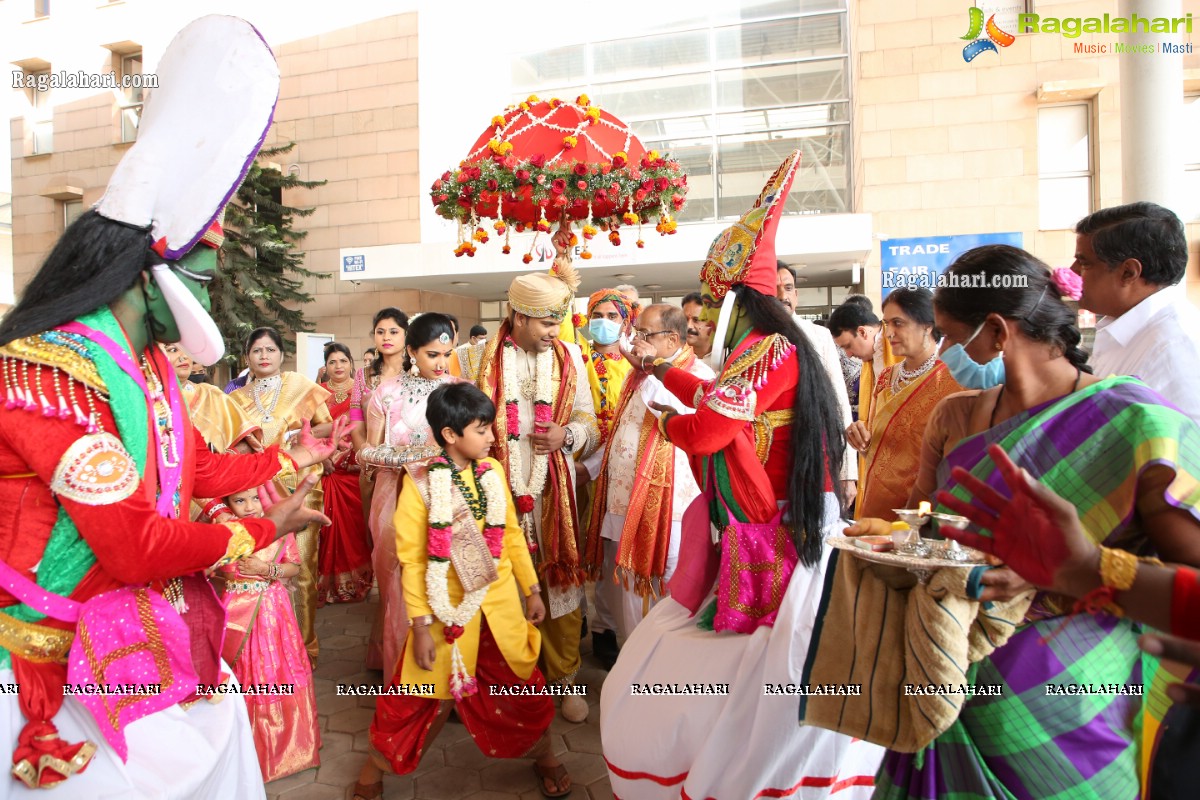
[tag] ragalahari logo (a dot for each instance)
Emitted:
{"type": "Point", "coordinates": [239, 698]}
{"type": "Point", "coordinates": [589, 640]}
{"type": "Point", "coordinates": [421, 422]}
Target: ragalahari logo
{"type": "Point", "coordinates": [995, 36]}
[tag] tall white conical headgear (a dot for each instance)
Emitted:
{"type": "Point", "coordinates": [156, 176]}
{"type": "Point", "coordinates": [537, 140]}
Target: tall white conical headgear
{"type": "Point", "coordinates": [200, 130]}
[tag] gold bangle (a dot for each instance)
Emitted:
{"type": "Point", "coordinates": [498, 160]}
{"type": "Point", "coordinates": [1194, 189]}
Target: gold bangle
{"type": "Point", "coordinates": [1117, 568]}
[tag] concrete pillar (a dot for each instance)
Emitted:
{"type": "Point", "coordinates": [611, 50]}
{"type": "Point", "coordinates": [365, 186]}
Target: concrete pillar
{"type": "Point", "coordinates": [1151, 110]}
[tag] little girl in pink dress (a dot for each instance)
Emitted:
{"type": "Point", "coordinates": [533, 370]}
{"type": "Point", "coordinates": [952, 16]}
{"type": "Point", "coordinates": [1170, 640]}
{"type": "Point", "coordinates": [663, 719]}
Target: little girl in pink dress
{"type": "Point", "coordinates": [264, 647]}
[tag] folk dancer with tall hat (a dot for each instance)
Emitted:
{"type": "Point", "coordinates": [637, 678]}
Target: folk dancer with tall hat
{"type": "Point", "coordinates": [101, 572]}
{"type": "Point", "coordinates": [766, 445]}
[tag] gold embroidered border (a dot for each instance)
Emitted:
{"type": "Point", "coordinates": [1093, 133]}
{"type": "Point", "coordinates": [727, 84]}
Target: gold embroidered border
{"type": "Point", "coordinates": [35, 350]}
{"type": "Point", "coordinates": [241, 544]}
{"type": "Point", "coordinates": [37, 643]}
{"type": "Point", "coordinates": [764, 427]}
{"type": "Point", "coordinates": [31, 776]}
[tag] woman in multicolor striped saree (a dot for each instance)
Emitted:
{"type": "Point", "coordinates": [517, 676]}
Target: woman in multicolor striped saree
{"type": "Point", "coordinates": [1129, 462]}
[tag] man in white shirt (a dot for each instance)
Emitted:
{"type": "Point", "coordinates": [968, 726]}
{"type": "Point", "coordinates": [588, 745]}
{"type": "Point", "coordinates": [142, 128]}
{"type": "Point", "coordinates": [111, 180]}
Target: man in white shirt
{"type": "Point", "coordinates": [822, 342]}
{"type": "Point", "coordinates": [1131, 259]}
{"type": "Point", "coordinates": [645, 485]}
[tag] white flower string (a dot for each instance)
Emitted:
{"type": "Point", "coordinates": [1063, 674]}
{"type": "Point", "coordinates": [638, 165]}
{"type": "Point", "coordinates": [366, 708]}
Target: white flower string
{"type": "Point", "coordinates": [437, 573]}
{"type": "Point", "coordinates": [543, 403]}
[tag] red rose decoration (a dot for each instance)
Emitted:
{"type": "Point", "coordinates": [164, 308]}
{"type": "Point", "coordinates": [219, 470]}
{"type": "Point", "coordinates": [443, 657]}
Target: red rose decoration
{"type": "Point", "coordinates": [580, 169]}
{"type": "Point", "coordinates": [522, 176]}
{"type": "Point", "coordinates": [602, 195]}
{"type": "Point", "coordinates": [452, 632]}
{"type": "Point", "coordinates": [619, 161]}
{"type": "Point", "coordinates": [581, 184]}
{"type": "Point", "coordinates": [648, 185]}
{"type": "Point", "coordinates": [492, 184]}
{"type": "Point", "coordinates": [510, 161]}
{"type": "Point", "coordinates": [558, 186]}
{"type": "Point", "coordinates": [661, 184]}
{"type": "Point", "coordinates": [677, 201]}
{"type": "Point", "coordinates": [446, 175]}
{"type": "Point", "coordinates": [463, 177]}
{"type": "Point", "coordinates": [537, 160]}
{"type": "Point", "coordinates": [525, 503]}
{"type": "Point", "coordinates": [440, 198]}
{"type": "Point", "coordinates": [438, 184]}
{"type": "Point", "coordinates": [639, 195]}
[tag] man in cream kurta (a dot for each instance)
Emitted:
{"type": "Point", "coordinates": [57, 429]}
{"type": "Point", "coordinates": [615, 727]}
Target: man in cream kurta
{"type": "Point", "coordinates": [538, 303]}
{"type": "Point", "coordinates": [618, 606]}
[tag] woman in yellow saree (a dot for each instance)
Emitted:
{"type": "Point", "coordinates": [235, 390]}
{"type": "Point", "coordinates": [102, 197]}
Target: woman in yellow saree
{"type": "Point", "coordinates": [903, 398]}
{"type": "Point", "coordinates": [280, 403]}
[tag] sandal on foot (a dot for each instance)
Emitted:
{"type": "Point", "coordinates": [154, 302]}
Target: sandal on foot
{"type": "Point", "coordinates": [370, 791]}
{"type": "Point", "coordinates": [555, 774]}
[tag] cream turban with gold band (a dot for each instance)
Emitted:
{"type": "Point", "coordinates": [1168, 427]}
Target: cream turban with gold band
{"type": "Point", "coordinates": [544, 295]}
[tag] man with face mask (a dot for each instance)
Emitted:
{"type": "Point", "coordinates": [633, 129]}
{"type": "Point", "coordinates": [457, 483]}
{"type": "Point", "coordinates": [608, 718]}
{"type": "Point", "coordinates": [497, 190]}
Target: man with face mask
{"type": "Point", "coordinates": [98, 460]}
{"type": "Point", "coordinates": [610, 320]}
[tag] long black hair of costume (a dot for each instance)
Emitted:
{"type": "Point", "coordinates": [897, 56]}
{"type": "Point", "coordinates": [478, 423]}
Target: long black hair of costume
{"type": "Point", "coordinates": [818, 441]}
{"type": "Point", "coordinates": [95, 261]}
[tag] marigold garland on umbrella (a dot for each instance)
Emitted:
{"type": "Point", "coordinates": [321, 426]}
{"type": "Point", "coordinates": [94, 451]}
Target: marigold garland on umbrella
{"type": "Point", "coordinates": [544, 162]}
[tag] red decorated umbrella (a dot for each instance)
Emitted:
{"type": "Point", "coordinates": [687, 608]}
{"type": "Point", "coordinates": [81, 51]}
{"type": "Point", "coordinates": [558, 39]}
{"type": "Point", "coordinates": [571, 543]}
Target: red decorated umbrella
{"type": "Point", "coordinates": [542, 163]}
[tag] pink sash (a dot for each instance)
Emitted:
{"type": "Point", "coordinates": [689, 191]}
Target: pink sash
{"type": "Point", "coordinates": [128, 641]}
{"type": "Point", "coordinates": [757, 561]}
{"type": "Point", "coordinates": [696, 569]}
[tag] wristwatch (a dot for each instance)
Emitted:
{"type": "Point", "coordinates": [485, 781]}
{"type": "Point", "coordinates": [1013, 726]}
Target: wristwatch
{"type": "Point", "coordinates": [569, 441]}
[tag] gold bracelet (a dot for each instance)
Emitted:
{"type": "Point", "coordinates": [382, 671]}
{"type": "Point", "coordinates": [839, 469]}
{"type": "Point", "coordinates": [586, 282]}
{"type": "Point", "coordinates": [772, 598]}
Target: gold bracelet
{"type": "Point", "coordinates": [1117, 568]}
{"type": "Point", "coordinates": [241, 544]}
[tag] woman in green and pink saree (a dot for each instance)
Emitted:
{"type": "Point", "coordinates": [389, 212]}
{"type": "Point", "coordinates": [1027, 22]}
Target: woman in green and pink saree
{"type": "Point", "coordinates": [1071, 720]}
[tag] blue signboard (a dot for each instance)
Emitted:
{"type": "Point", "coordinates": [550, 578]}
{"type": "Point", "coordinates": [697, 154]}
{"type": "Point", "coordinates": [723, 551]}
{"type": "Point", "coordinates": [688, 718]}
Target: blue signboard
{"type": "Point", "coordinates": [920, 261]}
{"type": "Point", "coordinates": [354, 263]}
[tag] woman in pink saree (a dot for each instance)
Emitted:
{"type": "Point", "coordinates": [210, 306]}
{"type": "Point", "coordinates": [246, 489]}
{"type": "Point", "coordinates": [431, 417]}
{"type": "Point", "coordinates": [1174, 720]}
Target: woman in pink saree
{"type": "Point", "coordinates": [397, 433]}
{"type": "Point", "coordinates": [264, 647]}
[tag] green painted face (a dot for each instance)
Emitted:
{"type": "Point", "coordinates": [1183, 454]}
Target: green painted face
{"type": "Point", "coordinates": [739, 323]}
{"type": "Point", "coordinates": [200, 261]}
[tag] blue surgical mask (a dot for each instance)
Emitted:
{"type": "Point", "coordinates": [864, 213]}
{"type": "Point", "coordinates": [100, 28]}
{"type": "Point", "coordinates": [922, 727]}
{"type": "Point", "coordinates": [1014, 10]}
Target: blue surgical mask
{"type": "Point", "coordinates": [604, 331]}
{"type": "Point", "coordinates": [968, 372]}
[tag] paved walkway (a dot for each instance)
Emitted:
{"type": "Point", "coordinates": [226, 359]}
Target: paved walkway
{"type": "Point", "coordinates": [453, 768]}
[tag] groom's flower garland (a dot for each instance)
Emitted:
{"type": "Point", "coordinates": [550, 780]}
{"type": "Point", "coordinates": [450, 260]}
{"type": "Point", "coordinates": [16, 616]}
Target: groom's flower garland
{"type": "Point", "coordinates": [523, 493]}
{"type": "Point", "coordinates": [437, 588]}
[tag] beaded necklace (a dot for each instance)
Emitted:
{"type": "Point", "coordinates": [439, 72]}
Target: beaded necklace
{"type": "Point", "coordinates": [263, 386]}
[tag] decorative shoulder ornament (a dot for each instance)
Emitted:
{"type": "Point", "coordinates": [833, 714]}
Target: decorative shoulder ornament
{"type": "Point", "coordinates": [735, 394]}
{"type": "Point", "coordinates": [96, 471]}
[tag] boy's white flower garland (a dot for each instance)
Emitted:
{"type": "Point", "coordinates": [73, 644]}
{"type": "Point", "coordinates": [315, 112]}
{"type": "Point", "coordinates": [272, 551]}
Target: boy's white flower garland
{"type": "Point", "coordinates": [437, 572]}
{"type": "Point", "coordinates": [543, 408]}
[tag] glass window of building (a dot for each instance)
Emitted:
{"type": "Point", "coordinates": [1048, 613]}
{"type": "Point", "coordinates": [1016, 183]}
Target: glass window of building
{"type": "Point", "coordinates": [131, 95]}
{"type": "Point", "coordinates": [1065, 163]}
{"type": "Point", "coordinates": [1191, 157]}
{"type": "Point", "coordinates": [728, 90]}
{"type": "Point", "coordinates": [42, 117]}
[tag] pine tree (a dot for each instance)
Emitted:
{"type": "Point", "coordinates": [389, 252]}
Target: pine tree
{"type": "Point", "coordinates": [262, 268]}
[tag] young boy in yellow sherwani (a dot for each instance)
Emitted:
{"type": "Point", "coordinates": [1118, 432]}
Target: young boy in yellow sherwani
{"type": "Point", "coordinates": [471, 647]}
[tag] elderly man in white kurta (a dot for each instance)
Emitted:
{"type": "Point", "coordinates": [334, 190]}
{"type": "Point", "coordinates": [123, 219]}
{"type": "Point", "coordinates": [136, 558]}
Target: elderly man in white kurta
{"type": "Point", "coordinates": [644, 484]}
{"type": "Point", "coordinates": [544, 416]}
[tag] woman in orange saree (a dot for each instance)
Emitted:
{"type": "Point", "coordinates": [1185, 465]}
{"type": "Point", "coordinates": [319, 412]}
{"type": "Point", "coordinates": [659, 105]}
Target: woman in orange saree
{"type": "Point", "coordinates": [903, 398]}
